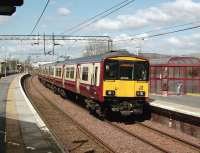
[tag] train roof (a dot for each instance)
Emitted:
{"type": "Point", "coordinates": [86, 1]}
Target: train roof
{"type": "Point", "coordinates": [98, 58]}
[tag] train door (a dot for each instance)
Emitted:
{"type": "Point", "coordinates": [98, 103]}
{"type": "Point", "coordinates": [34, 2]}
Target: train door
{"type": "Point", "coordinates": [96, 72]}
{"type": "Point", "coordinates": [78, 74]}
{"type": "Point", "coordinates": [95, 79]}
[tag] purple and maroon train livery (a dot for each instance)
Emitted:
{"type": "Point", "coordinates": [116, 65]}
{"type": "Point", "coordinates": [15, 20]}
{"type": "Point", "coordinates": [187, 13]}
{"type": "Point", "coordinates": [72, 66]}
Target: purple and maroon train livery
{"type": "Point", "coordinates": [116, 81]}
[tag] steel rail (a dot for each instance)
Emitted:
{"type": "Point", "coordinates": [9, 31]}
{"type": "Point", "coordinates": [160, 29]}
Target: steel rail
{"type": "Point", "coordinates": [79, 126]}
{"type": "Point", "coordinates": [138, 137]}
{"type": "Point", "coordinates": [192, 145]}
{"type": "Point", "coordinates": [133, 135]}
{"type": "Point", "coordinates": [55, 138]}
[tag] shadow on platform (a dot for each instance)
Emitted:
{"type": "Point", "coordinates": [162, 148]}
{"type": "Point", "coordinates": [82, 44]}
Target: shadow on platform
{"type": "Point", "coordinates": [20, 136]}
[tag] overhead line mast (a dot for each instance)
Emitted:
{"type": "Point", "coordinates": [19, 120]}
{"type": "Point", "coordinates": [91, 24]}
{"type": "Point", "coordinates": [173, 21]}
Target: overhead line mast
{"type": "Point", "coordinates": [56, 37]}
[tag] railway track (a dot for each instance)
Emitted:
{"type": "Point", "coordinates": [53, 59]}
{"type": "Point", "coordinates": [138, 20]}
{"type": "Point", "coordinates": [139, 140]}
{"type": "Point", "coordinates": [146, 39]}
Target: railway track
{"type": "Point", "coordinates": [138, 137]}
{"type": "Point", "coordinates": [131, 134]}
{"type": "Point", "coordinates": [91, 137]}
{"type": "Point", "coordinates": [179, 140]}
{"type": "Point", "coordinates": [25, 87]}
{"type": "Point", "coordinates": [149, 142]}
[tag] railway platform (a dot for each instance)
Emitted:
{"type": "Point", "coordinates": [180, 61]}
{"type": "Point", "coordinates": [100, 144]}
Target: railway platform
{"type": "Point", "coordinates": [184, 104]}
{"type": "Point", "coordinates": [21, 128]}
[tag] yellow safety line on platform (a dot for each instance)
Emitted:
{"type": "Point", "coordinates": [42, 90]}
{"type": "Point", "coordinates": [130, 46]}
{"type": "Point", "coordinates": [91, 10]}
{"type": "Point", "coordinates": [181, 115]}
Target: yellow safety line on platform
{"type": "Point", "coordinates": [14, 140]}
{"type": "Point", "coordinates": [193, 94]}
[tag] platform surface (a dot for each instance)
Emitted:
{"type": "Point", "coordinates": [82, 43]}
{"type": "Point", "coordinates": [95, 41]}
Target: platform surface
{"type": "Point", "coordinates": [189, 105]}
{"type": "Point", "coordinates": [4, 84]}
{"type": "Point", "coordinates": [21, 131]}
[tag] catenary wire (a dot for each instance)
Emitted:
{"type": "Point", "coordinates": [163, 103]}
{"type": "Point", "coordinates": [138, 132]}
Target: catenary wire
{"type": "Point", "coordinates": [171, 32]}
{"type": "Point", "coordinates": [92, 18]}
{"type": "Point", "coordinates": [160, 34]}
{"type": "Point", "coordinates": [40, 17]}
{"type": "Point", "coordinates": [167, 28]}
{"type": "Point", "coordinates": [101, 17]}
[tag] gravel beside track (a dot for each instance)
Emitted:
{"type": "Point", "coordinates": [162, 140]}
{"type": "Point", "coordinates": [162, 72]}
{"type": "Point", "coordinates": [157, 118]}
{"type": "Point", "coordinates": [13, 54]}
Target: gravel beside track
{"type": "Point", "coordinates": [158, 139]}
{"type": "Point", "coordinates": [145, 140]}
{"type": "Point", "coordinates": [71, 135]}
{"type": "Point", "coordinates": [174, 133]}
{"type": "Point", "coordinates": [193, 143]}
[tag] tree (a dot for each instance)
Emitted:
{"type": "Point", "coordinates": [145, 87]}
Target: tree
{"type": "Point", "coordinates": [96, 48]}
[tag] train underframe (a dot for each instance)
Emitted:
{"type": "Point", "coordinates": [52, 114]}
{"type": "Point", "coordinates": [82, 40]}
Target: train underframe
{"type": "Point", "coordinates": [137, 106]}
{"type": "Point", "coordinates": [122, 106]}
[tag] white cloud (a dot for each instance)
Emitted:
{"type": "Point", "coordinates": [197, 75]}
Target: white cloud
{"type": "Point", "coordinates": [189, 42]}
{"type": "Point", "coordinates": [166, 13]}
{"type": "Point", "coordinates": [174, 45]}
{"type": "Point", "coordinates": [182, 10]}
{"type": "Point", "coordinates": [174, 41]}
{"type": "Point", "coordinates": [63, 11]}
{"type": "Point", "coordinates": [108, 24]}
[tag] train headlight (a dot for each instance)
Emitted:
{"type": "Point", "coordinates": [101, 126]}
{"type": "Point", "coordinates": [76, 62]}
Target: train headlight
{"type": "Point", "coordinates": [110, 92]}
{"type": "Point", "coordinates": [140, 93]}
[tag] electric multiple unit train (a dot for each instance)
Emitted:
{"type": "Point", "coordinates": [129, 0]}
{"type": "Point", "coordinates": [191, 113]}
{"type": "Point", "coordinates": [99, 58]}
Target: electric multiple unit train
{"type": "Point", "coordinates": [116, 81]}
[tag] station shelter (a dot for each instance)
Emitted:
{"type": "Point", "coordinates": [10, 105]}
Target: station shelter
{"type": "Point", "coordinates": [175, 76]}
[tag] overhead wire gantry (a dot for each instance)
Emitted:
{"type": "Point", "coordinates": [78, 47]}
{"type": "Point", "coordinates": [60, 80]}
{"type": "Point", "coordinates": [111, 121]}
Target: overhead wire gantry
{"type": "Point", "coordinates": [53, 38]}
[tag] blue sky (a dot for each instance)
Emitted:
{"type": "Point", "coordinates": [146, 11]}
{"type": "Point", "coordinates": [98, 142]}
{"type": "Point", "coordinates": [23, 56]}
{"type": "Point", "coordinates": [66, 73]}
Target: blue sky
{"type": "Point", "coordinates": [138, 17]}
{"type": "Point", "coordinates": [25, 17]}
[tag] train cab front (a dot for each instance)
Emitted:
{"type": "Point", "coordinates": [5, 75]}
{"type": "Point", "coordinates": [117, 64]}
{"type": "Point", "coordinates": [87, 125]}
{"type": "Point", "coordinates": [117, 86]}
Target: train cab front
{"type": "Point", "coordinates": [125, 85]}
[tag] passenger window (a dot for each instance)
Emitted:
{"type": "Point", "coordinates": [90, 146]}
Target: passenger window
{"type": "Point", "coordinates": [72, 73]}
{"type": "Point", "coordinates": [69, 74]}
{"type": "Point", "coordinates": [58, 72]}
{"type": "Point", "coordinates": [85, 74]}
{"type": "Point", "coordinates": [52, 71]}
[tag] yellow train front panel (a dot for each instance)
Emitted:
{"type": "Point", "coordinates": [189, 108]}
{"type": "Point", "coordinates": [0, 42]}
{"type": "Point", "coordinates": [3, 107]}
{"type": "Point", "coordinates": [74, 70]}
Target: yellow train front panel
{"type": "Point", "coordinates": [125, 88]}
{"type": "Point", "coordinates": [126, 58]}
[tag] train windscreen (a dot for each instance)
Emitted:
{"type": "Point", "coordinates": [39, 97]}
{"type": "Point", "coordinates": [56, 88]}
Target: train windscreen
{"type": "Point", "coordinates": [126, 70]}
